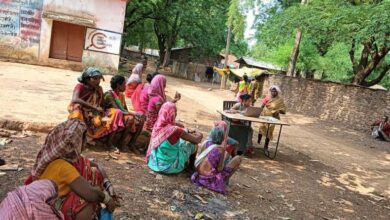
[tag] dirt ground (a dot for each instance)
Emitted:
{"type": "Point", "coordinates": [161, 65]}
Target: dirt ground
{"type": "Point", "coordinates": [322, 170]}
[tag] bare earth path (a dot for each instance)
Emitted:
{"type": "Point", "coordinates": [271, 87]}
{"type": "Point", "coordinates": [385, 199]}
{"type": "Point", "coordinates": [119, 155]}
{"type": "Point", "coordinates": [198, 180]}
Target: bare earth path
{"type": "Point", "coordinates": [321, 172]}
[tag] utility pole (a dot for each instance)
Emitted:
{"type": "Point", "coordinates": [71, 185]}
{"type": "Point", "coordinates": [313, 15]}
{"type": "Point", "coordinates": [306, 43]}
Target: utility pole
{"type": "Point", "coordinates": [224, 77]}
{"type": "Point", "coordinates": [295, 52]}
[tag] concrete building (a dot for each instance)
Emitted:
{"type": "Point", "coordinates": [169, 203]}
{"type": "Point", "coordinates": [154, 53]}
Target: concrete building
{"type": "Point", "coordinates": [62, 33]}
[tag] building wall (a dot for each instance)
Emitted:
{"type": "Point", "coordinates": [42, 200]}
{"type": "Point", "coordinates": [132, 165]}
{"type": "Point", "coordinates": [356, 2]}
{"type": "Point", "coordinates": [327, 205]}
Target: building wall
{"type": "Point", "coordinates": [192, 71]}
{"type": "Point", "coordinates": [354, 106]}
{"type": "Point", "coordinates": [20, 24]}
{"type": "Point", "coordinates": [106, 15]}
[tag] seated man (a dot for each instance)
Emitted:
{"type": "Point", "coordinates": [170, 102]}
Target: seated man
{"type": "Point", "coordinates": [381, 129]}
{"type": "Point", "coordinates": [240, 130]}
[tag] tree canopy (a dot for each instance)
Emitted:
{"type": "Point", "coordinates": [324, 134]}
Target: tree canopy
{"type": "Point", "coordinates": [165, 24]}
{"type": "Point", "coordinates": [341, 40]}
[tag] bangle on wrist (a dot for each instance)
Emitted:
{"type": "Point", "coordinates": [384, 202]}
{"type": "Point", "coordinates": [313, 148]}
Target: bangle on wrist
{"type": "Point", "coordinates": [107, 197]}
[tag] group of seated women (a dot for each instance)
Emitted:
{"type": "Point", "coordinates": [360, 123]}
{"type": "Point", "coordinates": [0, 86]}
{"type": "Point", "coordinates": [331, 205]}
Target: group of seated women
{"type": "Point", "coordinates": [66, 185]}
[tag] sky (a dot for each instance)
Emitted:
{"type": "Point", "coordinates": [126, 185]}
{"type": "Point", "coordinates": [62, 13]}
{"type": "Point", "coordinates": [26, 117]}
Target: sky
{"type": "Point", "coordinates": [250, 18]}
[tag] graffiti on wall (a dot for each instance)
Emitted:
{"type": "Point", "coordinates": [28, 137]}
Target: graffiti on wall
{"type": "Point", "coordinates": [20, 26]}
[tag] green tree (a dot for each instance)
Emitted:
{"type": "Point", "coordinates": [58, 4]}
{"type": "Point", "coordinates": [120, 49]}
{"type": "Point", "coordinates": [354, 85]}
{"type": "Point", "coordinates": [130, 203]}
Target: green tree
{"type": "Point", "coordinates": [196, 23]}
{"type": "Point", "coordinates": [363, 25]}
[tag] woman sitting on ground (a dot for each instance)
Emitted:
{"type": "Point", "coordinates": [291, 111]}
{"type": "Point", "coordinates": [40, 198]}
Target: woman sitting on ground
{"type": "Point", "coordinates": [273, 105]}
{"type": "Point", "coordinates": [240, 130]}
{"type": "Point", "coordinates": [231, 144]}
{"type": "Point", "coordinates": [82, 184]}
{"type": "Point", "coordinates": [213, 164]}
{"type": "Point", "coordinates": [34, 202]}
{"type": "Point", "coordinates": [381, 129]}
{"type": "Point", "coordinates": [143, 96]}
{"type": "Point", "coordinates": [157, 98]}
{"type": "Point", "coordinates": [87, 106]}
{"type": "Point", "coordinates": [171, 147]}
{"type": "Point", "coordinates": [134, 122]}
{"type": "Point", "coordinates": [134, 80]}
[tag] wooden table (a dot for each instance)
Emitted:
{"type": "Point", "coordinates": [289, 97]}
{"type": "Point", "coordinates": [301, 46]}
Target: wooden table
{"type": "Point", "coordinates": [262, 119]}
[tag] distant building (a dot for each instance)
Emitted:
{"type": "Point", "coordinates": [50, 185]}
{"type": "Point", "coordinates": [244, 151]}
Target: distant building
{"type": "Point", "coordinates": [69, 34]}
{"type": "Point", "coordinates": [231, 60]}
{"type": "Point", "coordinates": [252, 63]}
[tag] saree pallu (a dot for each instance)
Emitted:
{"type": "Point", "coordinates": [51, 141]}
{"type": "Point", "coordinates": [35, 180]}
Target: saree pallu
{"type": "Point", "coordinates": [171, 159]}
{"type": "Point", "coordinates": [152, 113]}
{"type": "Point", "coordinates": [72, 204]}
{"type": "Point", "coordinates": [136, 98]}
{"type": "Point", "coordinates": [97, 126]}
{"type": "Point", "coordinates": [272, 108]}
{"type": "Point", "coordinates": [32, 202]}
{"type": "Point", "coordinates": [215, 180]}
{"type": "Point", "coordinates": [130, 88]}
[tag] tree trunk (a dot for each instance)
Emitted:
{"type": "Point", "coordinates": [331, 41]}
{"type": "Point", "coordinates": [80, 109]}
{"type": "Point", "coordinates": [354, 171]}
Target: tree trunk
{"type": "Point", "coordinates": [225, 77]}
{"type": "Point", "coordinates": [294, 54]}
{"type": "Point", "coordinates": [167, 56]}
{"type": "Point", "coordinates": [161, 38]}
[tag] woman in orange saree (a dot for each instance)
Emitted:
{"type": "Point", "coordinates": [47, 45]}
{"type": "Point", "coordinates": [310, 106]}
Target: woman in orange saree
{"type": "Point", "coordinates": [87, 106]}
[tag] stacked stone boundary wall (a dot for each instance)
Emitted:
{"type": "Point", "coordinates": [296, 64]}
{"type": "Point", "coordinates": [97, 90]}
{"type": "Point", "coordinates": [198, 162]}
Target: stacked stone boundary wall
{"type": "Point", "coordinates": [354, 106]}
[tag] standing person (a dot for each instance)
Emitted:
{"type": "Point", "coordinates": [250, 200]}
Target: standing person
{"type": "Point", "coordinates": [32, 202]}
{"type": "Point", "coordinates": [273, 105]}
{"type": "Point", "coordinates": [213, 164]}
{"type": "Point", "coordinates": [157, 98]}
{"type": "Point", "coordinates": [82, 184]}
{"type": "Point", "coordinates": [87, 105]}
{"type": "Point", "coordinates": [381, 129]}
{"type": "Point", "coordinates": [172, 148]}
{"type": "Point", "coordinates": [209, 73]}
{"type": "Point", "coordinates": [240, 130]}
{"type": "Point", "coordinates": [114, 98]}
{"type": "Point", "coordinates": [243, 87]}
{"type": "Point", "coordinates": [134, 79]}
{"type": "Point", "coordinates": [256, 88]}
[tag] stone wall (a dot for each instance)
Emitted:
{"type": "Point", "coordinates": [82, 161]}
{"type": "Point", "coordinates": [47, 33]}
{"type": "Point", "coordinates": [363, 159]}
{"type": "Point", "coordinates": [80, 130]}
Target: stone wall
{"type": "Point", "coordinates": [354, 106]}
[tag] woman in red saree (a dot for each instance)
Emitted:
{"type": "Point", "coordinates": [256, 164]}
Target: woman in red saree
{"type": "Point", "coordinates": [134, 80]}
{"type": "Point", "coordinates": [87, 106]}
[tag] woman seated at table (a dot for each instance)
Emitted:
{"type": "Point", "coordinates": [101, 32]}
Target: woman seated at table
{"type": "Point", "coordinates": [134, 122]}
{"type": "Point", "coordinates": [273, 105]}
{"type": "Point", "coordinates": [87, 105]}
{"type": "Point", "coordinates": [172, 148]}
{"type": "Point", "coordinates": [214, 165]}
{"type": "Point", "coordinates": [239, 130]}
{"type": "Point", "coordinates": [82, 184]}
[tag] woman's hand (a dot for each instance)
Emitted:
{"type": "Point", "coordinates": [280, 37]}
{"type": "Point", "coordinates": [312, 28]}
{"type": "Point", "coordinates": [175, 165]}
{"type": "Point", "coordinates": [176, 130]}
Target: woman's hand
{"type": "Point", "coordinates": [112, 204]}
{"type": "Point", "coordinates": [100, 110]}
{"type": "Point", "coordinates": [177, 97]}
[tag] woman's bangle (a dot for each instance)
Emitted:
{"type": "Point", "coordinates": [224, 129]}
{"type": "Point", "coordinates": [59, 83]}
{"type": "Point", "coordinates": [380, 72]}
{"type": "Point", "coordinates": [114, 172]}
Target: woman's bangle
{"type": "Point", "coordinates": [106, 197]}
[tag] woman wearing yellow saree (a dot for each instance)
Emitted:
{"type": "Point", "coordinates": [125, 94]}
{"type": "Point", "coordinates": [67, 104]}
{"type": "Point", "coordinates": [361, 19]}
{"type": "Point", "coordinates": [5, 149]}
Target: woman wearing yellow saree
{"type": "Point", "coordinates": [273, 105]}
